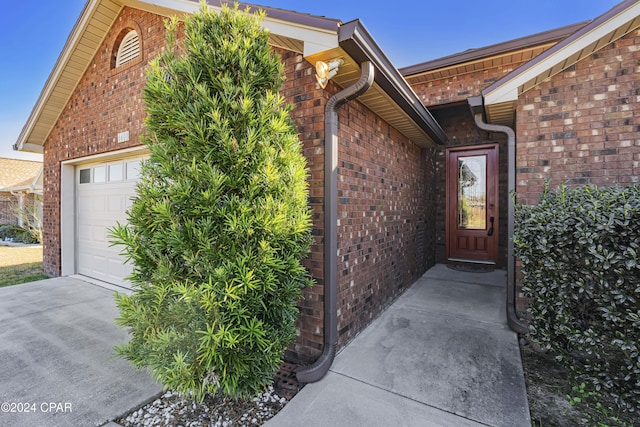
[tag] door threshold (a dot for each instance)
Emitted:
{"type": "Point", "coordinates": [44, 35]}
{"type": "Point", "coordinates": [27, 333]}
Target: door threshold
{"type": "Point", "coordinates": [471, 261]}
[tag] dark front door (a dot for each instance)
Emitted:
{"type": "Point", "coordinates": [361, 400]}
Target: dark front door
{"type": "Point", "coordinates": [472, 204]}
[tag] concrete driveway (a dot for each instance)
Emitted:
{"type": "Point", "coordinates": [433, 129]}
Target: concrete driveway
{"type": "Point", "coordinates": [57, 366]}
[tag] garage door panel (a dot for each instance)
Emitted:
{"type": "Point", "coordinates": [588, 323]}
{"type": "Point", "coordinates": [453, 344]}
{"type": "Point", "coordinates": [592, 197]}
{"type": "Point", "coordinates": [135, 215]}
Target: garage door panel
{"type": "Point", "coordinates": [100, 205]}
{"type": "Point", "coordinates": [83, 259]}
{"type": "Point", "coordinates": [97, 237]}
{"type": "Point", "coordinates": [97, 205]}
{"type": "Point", "coordinates": [116, 204]}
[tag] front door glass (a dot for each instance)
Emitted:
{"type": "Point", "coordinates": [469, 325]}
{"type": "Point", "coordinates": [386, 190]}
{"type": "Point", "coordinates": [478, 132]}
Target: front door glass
{"type": "Point", "coordinates": [472, 192]}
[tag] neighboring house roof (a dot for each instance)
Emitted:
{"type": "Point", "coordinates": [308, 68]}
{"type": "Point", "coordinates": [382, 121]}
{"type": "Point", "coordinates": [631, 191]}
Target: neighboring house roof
{"type": "Point", "coordinates": [500, 98]}
{"type": "Point", "coordinates": [20, 175]}
{"type": "Point", "coordinates": [314, 37]}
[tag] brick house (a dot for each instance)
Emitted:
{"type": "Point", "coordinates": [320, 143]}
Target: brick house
{"type": "Point", "coordinates": [418, 162]}
{"type": "Point", "coordinates": [563, 105]}
{"type": "Point", "coordinates": [20, 189]}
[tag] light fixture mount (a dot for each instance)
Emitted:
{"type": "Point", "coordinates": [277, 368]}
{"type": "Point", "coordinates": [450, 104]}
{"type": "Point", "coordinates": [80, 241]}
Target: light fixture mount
{"type": "Point", "coordinates": [326, 70]}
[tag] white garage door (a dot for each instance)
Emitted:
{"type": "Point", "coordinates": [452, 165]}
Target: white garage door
{"type": "Point", "coordinates": [104, 192]}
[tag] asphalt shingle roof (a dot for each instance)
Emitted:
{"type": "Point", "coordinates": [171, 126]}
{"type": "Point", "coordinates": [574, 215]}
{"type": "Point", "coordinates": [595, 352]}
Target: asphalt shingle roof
{"type": "Point", "coordinates": [17, 173]}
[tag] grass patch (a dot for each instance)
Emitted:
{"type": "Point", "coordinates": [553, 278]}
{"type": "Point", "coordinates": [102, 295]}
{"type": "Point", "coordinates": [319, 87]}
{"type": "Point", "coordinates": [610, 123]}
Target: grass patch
{"type": "Point", "coordinates": [20, 264]}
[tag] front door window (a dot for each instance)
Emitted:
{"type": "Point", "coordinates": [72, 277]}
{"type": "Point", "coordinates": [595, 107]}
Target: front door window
{"type": "Point", "coordinates": [472, 192]}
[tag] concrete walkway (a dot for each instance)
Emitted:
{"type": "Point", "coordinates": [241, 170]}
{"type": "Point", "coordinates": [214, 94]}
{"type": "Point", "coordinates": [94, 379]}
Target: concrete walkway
{"type": "Point", "coordinates": [441, 355]}
{"type": "Point", "coordinates": [57, 366]}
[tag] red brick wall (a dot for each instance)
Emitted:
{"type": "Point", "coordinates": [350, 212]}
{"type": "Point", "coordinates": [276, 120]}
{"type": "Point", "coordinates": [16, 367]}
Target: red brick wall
{"type": "Point", "coordinates": [300, 89]}
{"type": "Point", "coordinates": [458, 88]}
{"type": "Point", "coordinates": [10, 209]}
{"type": "Point", "coordinates": [583, 125]}
{"type": "Point", "coordinates": [384, 244]}
{"type": "Point", "coordinates": [385, 211]}
{"type": "Point", "coordinates": [105, 102]}
{"type": "Point", "coordinates": [385, 228]}
{"type": "Point", "coordinates": [8, 204]}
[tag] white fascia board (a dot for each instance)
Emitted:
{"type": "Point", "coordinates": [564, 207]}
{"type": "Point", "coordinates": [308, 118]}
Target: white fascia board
{"type": "Point", "coordinates": [30, 147]}
{"type": "Point", "coordinates": [502, 94]}
{"type": "Point", "coordinates": [315, 39]}
{"type": "Point", "coordinates": [37, 180]}
{"type": "Point", "coordinates": [12, 190]}
{"type": "Point", "coordinates": [185, 6]}
{"type": "Point", "coordinates": [509, 90]}
{"type": "Point", "coordinates": [25, 189]}
{"type": "Point", "coordinates": [68, 49]}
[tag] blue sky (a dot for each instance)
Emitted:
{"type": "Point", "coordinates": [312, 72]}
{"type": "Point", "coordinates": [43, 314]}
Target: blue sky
{"type": "Point", "coordinates": [409, 32]}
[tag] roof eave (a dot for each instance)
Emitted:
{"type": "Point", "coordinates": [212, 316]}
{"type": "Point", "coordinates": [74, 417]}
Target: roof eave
{"type": "Point", "coordinates": [323, 31]}
{"type": "Point", "coordinates": [501, 97]}
{"type": "Point", "coordinates": [543, 38]}
{"type": "Point", "coordinates": [304, 19]}
{"type": "Point", "coordinates": [23, 143]}
{"type": "Point", "coordinates": [358, 43]}
{"type": "Point", "coordinates": [35, 189]}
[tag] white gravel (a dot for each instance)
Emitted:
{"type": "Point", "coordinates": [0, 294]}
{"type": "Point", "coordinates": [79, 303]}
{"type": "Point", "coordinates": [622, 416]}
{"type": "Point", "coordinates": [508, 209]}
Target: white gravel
{"type": "Point", "coordinates": [171, 409]}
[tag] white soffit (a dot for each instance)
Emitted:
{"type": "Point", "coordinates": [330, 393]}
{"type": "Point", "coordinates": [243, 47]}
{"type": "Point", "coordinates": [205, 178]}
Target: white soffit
{"type": "Point", "coordinates": [57, 91]}
{"type": "Point", "coordinates": [565, 53]}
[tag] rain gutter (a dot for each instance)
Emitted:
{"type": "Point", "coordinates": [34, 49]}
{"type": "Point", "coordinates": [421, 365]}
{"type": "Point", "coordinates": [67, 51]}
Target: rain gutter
{"type": "Point", "coordinates": [360, 45]}
{"type": "Point", "coordinates": [376, 68]}
{"type": "Point", "coordinates": [477, 110]}
{"type": "Point", "coordinates": [317, 370]}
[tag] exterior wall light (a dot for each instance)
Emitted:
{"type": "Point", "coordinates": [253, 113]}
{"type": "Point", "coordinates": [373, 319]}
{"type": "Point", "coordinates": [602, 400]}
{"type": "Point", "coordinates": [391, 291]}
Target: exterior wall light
{"type": "Point", "coordinates": [326, 70]}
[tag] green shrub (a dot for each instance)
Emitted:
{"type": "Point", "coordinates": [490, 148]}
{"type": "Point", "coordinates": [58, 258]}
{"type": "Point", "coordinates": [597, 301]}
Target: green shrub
{"type": "Point", "coordinates": [580, 252]}
{"type": "Point", "coordinates": [18, 234]}
{"type": "Point", "coordinates": [25, 235]}
{"type": "Point", "coordinates": [220, 222]}
{"type": "Point", "coordinates": [8, 231]}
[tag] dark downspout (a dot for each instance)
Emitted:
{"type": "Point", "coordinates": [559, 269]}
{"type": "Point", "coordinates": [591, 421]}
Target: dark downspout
{"type": "Point", "coordinates": [477, 108]}
{"type": "Point", "coordinates": [315, 372]}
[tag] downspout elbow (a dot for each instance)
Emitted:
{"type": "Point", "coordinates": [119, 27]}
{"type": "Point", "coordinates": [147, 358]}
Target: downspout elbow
{"type": "Point", "coordinates": [515, 323]}
{"type": "Point", "coordinates": [316, 371]}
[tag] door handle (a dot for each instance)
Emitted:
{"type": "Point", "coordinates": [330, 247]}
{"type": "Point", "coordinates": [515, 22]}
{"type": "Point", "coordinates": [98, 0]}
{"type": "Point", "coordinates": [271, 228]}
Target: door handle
{"type": "Point", "coordinates": [490, 232]}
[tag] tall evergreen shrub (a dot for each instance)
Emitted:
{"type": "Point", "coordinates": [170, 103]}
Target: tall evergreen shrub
{"type": "Point", "coordinates": [580, 253]}
{"type": "Point", "coordinates": [220, 222]}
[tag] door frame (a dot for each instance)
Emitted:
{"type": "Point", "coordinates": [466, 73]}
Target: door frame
{"type": "Point", "coordinates": [493, 202]}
